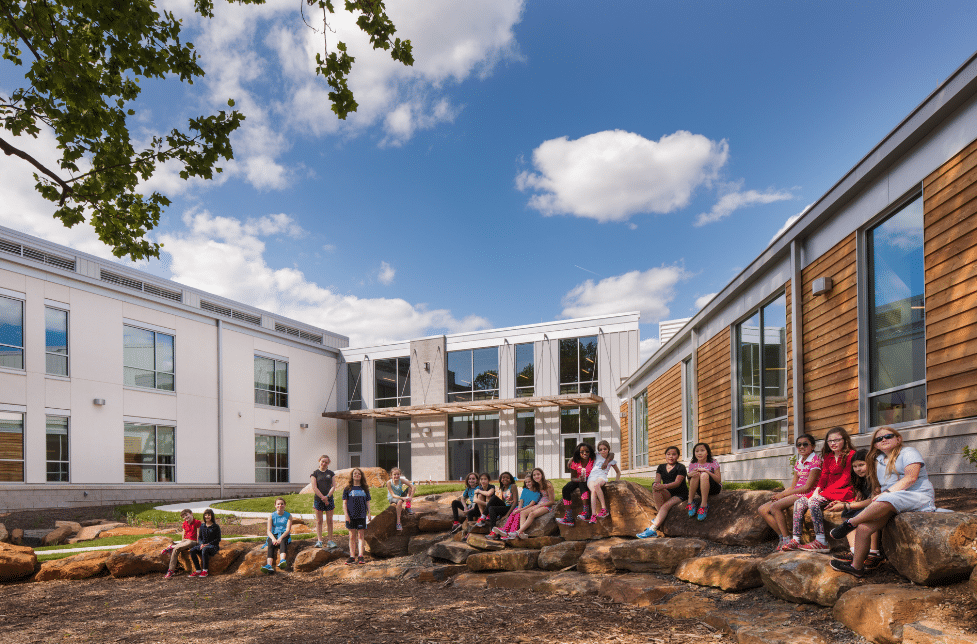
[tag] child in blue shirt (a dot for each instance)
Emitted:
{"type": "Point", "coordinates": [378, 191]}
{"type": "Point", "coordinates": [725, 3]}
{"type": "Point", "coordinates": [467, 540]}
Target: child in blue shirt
{"type": "Point", "coordinates": [279, 529]}
{"type": "Point", "coordinates": [356, 507]}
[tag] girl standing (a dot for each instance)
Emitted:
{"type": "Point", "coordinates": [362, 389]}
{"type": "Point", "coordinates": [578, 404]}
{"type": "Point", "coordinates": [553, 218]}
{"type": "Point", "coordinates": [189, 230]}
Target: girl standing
{"type": "Point", "coordinates": [322, 500]}
{"type": "Point", "coordinates": [668, 490]}
{"type": "Point", "coordinates": [861, 482]}
{"type": "Point", "coordinates": [598, 479]}
{"type": "Point", "coordinates": [207, 546]}
{"type": "Point", "coordinates": [545, 503]}
{"type": "Point", "coordinates": [399, 493]}
{"type": "Point", "coordinates": [190, 528]}
{"type": "Point", "coordinates": [279, 534]}
{"type": "Point", "coordinates": [807, 470]}
{"type": "Point", "coordinates": [834, 484]}
{"type": "Point", "coordinates": [704, 478]}
{"type": "Point", "coordinates": [580, 465]}
{"type": "Point", "coordinates": [465, 503]}
{"type": "Point", "coordinates": [356, 507]}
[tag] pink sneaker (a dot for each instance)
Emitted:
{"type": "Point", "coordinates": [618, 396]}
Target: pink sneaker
{"type": "Point", "coordinates": [815, 546]}
{"type": "Point", "coordinates": [592, 519]}
{"type": "Point", "coordinates": [169, 573]}
{"type": "Point", "coordinates": [790, 546]}
{"type": "Point", "coordinates": [195, 573]}
{"type": "Point", "coordinates": [603, 514]}
{"type": "Point", "coordinates": [203, 573]}
{"type": "Point", "coordinates": [167, 550]}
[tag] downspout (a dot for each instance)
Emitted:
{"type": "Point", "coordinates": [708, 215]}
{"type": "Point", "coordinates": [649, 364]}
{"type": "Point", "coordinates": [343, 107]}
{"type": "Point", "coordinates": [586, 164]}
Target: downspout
{"type": "Point", "coordinates": [220, 407]}
{"type": "Point", "coordinates": [796, 336]}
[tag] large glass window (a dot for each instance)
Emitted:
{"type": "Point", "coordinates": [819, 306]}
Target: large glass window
{"type": "Point", "coordinates": [353, 370]}
{"type": "Point", "coordinates": [578, 365]}
{"type": "Point", "coordinates": [270, 382]}
{"type": "Point", "coordinates": [11, 333]}
{"type": "Point", "coordinates": [150, 453]}
{"type": "Point", "coordinates": [393, 445]}
{"type": "Point", "coordinates": [392, 377]}
{"type": "Point", "coordinates": [525, 442]}
{"type": "Point", "coordinates": [525, 380]}
{"type": "Point", "coordinates": [147, 358]}
{"type": "Point", "coordinates": [56, 341]}
{"type": "Point", "coordinates": [56, 436]}
{"type": "Point", "coordinates": [688, 407]}
{"type": "Point", "coordinates": [11, 447]}
{"type": "Point", "coordinates": [578, 425]}
{"type": "Point", "coordinates": [473, 375]}
{"type": "Point", "coordinates": [897, 315]}
{"type": "Point", "coordinates": [761, 388]}
{"type": "Point", "coordinates": [639, 433]}
{"type": "Point", "coordinates": [270, 458]}
{"type": "Point", "coordinates": [473, 445]}
{"type": "Point", "coordinates": [354, 441]}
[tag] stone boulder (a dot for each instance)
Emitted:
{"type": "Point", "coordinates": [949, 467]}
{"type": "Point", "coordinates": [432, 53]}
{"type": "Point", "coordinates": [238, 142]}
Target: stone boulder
{"type": "Point", "coordinates": [376, 477]}
{"type": "Point", "coordinates": [733, 520]}
{"type": "Point", "coordinates": [932, 548]}
{"type": "Point", "coordinates": [536, 543]}
{"type": "Point", "coordinates": [561, 555]}
{"type": "Point", "coordinates": [879, 612]}
{"type": "Point", "coordinates": [16, 562]}
{"type": "Point", "coordinates": [973, 584]}
{"type": "Point", "coordinates": [779, 635]}
{"type": "Point", "coordinates": [655, 555]}
{"type": "Point", "coordinates": [16, 537]}
{"type": "Point", "coordinates": [568, 583]}
{"type": "Point", "coordinates": [311, 559]}
{"type": "Point", "coordinates": [544, 526]}
{"type": "Point", "coordinates": [470, 581]}
{"type": "Point", "coordinates": [434, 574]}
{"type": "Point", "coordinates": [4, 535]}
{"type": "Point", "coordinates": [80, 566]}
{"type": "Point", "coordinates": [631, 511]}
{"type": "Point", "coordinates": [637, 589]}
{"type": "Point", "coordinates": [731, 573]}
{"type": "Point", "coordinates": [365, 573]}
{"type": "Point", "coordinates": [74, 526]}
{"type": "Point", "coordinates": [422, 542]}
{"type": "Point", "coordinates": [384, 540]}
{"type": "Point", "coordinates": [804, 578]}
{"type": "Point", "coordinates": [687, 605]}
{"type": "Point", "coordinates": [503, 560]}
{"type": "Point", "coordinates": [124, 530]}
{"type": "Point", "coordinates": [87, 533]}
{"type": "Point", "coordinates": [515, 580]}
{"type": "Point", "coordinates": [435, 523]}
{"type": "Point", "coordinates": [931, 631]}
{"type": "Point", "coordinates": [596, 557]}
{"type": "Point", "coordinates": [452, 551]}
{"type": "Point", "coordinates": [59, 535]}
{"type": "Point", "coordinates": [254, 559]}
{"type": "Point", "coordinates": [139, 558]}
{"type": "Point", "coordinates": [481, 542]}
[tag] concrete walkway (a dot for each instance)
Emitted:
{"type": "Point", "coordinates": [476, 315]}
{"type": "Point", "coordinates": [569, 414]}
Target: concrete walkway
{"type": "Point", "coordinates": [199, 506]}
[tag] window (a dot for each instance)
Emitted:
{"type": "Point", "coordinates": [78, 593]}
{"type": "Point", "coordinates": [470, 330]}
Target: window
{"type": "Point", "coordinates": [11, 334]}
{"type": "Point", "coordinates": [473, 445]}
{"type": "Point", "coordinates": [147, 359]}
{"type": "Point", "coordinates": [150, 453]}
{"type": "Point", "coordinates": [473, 375]}
{"type": "Point", "coordinates": [639, 441]}
{"type": "Point", "coordinates": [578, 425]}
{"type": "Point", "coordinates": [56, 342]}
{"type": "Point", "coordinates": [354, 441]}
{"type": "Point", "coordinates": [761, 387]}
{"type": "Point", "coordinates": [393, 445]}
{"type": "Point", "coordinates": [578, 365]}
{"type": "Point", "coordinates": [270, 382]}
{"type": "Point", "coordinates": [392, 379]}
{"type": "Point", "coordinates": [353, 370]}
{"type": "Point", "coordinates": [11, 447]}
{"type": "Point", "coordinates": [270, 458]}
{"type": "Point", "coordinates": [688, 407]}
{"type": "Point", "coordinates": [897, 315]}
{"type": "Point", "coordinates": [56, 436]}
{"type": "Point", "coordinates": [525, 381]}
{"type": "Point", "coordinates": [525, 442]}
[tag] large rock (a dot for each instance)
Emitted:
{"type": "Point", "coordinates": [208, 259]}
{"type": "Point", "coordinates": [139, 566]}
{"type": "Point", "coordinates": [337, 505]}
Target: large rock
{"type": "Point", "coordinates": [80, 566]}
{"type": "Point", "coordinates": [254, 559]}
{"type": "Point", "coordinates": [973, 584]}
{"type": "Point", "coordinates": [421, 543]}
{"type": "Point", "coordinates": [733, 520]}
{"type": "Point", "coordinates": [140, 558]}
{"type": "Point", "coordinates": [383, 538]}
{"type": "Point", "coordinates": [87, 533]}
{"type": "Point", "coordinates": [503, 560]}
{"type": "Point", "coordinates": [452, 551]}
{"type": "Point", "coordinates": [16, 562]}
{"type": "Point", "coordinates": [655, 555]}
{"type": "Point", "coordinates": [376, 477]}
{"type": "Point", "coordinates": [4, 535]}
{"type": "Point", "coordinates": [16, 537]}
{"type": "Point", "coordinates": [931, 631]}
{"type": "Point", "coordinates": [631, 511]}
{"type": "Point", "coordinates": [804, 578]}
{"type": "Point", "coordinates": [434, 574]}
{"type": "Point", "coordinates": [561, 555]}
{"type": "Point", "coordinates": [779, 635]}
{"type": "Point", "coordinates": [537, 543]}
{"type": "Point", "coordinates": [544, 526]}
{"type": "Point", "coordinates": [568, 583]}
{"type": "Point", "coordinates": [481, 542]}
{"type": "Point", "coordinates": [732, 573]}
{"type": "Point", "coordinates": [435, 523]}
{"type": "Point", "coordinates": [230, 552]}
{"type": "Point", "coordinates": [470, 581]}
{"type": "Point", "coordinates": [365, 573]}
{"type": "Point", "coordinates": [74, 526]}
{"type": "Point", "coordinates": [637, 589]}
{"type": "Point", "coordinates": [515, 580]}
{"type": "Point", "coordinates": [932, 548]}
{"type": "Point", "coordinates": [752, 620]}
{"type": "Point", "coordinates": [879, 612]}
{"type": "Point", "coordinates": [311, 559]}
{"type": "Point", "coordinates": [596, 557]}
{"type": "Point", "coordinates": [57, 536]}
{"type": "Point", "coordinates": [687, 606]}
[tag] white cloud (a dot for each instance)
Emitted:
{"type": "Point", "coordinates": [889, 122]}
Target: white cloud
{"type": "Point", "coordinates": [225, 256]}
{"type": "Point", "coordinates": [790, 222]}
{"type": "Point", "coordinates": [701, 301]}
{"type": "Point", "coordinates": [648, 347]}
{"type": "Point", "coordinates": [386, 274]}
{"type": "Point", "coordinates": [647, 291]}
{"type": "Point", "coordinates": [732, 199]}
{"type": "Point", "coordinates": [612, 175]}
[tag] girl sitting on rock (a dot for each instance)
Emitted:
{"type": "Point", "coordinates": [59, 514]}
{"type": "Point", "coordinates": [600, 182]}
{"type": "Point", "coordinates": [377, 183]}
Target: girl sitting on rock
{"type": "Point", "coordinates": [598, 479]}
{"type": "Point", "coordinates": [834, 484]}
{"type": "Point", "coordinates": [465, 503]}
{"type": "Point", "coordinates": [529, 498]}
{"type": "Point", "coordinates": [509, 493]}
{"type": "Point", "coordinates": [704, 478]}
{"type": "Point", "coordinates": [861, 482]}
{"type": "Point", "coordinates": [279, 534]}
{"type": "Point", "coordinates": [356, 507]}
{"type": "Point", "coordinates": [542, 507]}
{"type": "Point", "coordinates": [900, 475]}
{"type": "Point", "coordinates": [807, 470]}
{"type": "Point", "coordinates": [668, 490]}
{"type": "Point", "coordinates": [485, 498]}
{"type": "Point", "coordinates": [580, 466]}
{"type": "Point", "coordinates": [190, 528]}
{"type": "Point", "coordinates": [208, 544]}
{"type": "Point", "coordinates": [400, 491]}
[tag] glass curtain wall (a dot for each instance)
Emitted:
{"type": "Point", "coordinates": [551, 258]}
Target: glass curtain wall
{"type": "Point", "coordinates": [392, 377]}
{"type": "Point", "coordinates": [473, 445]}
{"type": "Point", "coordinates": [525, 362]}
{"type": "Point", "coordinates": [578, 365]}
{"type": "Point", "coordinates": [150, 453]}
{"type": "Point", "coordinates": [270, 382]}
{"type": "Point", "coordinates": [11, 333]}
{"type": "Point", "coordinates": [525, 442]}
{"type": "Point", "coordinates": [56, 341]}
{"type": "Point", "coordinates": [353, 385]}
{"type": "Point", "coordinates": [56, 438]}
{"type": "Point", "coordinates": [761, 388]}
{"type": "Point", "coordinates": [270, 458]}
{"type": "Point", "coordinates": [639, 434]}
{"type": "Point", "coordinates": [354, 441]}
{"type": "Point", "coordinates": [11, 447]}
{"type": "Point", "coordinates": [393, 445]}
{"type": "Point", "coordinates": [147, 359]}
{"type": "Point", "coordinates": [578, 425]}
{"type": "Point", "coordinates": [473, 375]}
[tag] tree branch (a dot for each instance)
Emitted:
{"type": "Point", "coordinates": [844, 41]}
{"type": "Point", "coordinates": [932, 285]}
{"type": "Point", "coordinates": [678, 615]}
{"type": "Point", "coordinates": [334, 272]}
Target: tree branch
{"type": "Point", "coordinates": [11, 150]}
{"type": "Point", "coordinates": [20, 34]}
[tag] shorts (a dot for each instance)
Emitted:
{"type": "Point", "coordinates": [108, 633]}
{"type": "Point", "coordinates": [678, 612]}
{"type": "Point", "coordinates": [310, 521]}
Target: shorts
{"type": "Point", "coordinates": [908, 501]}
{"type": "Point", "coordinates": [356, 524]}
{"type": "Point", "coordinates": [324, 506]}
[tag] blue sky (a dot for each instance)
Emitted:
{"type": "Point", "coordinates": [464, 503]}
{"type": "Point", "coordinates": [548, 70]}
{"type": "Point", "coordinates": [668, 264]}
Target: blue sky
{"type": "Point", "coordinates": [540, 160]}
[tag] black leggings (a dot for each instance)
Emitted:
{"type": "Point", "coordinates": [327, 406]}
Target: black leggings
{"type": "Point", "coordinates": [457, 507]}
{"type": "Point", "coordinates": [204, 552]}
{"type": "Point", "coordinates": [570, 487]}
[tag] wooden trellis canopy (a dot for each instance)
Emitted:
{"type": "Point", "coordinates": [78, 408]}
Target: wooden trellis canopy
{"type": "Point", "coordinates": [468, 407]}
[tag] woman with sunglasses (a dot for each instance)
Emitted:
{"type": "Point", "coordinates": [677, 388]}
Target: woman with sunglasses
{"type": "Point", "coordinates": [807, 471]}
{"type": "Point", "coordinates": [900, 475]}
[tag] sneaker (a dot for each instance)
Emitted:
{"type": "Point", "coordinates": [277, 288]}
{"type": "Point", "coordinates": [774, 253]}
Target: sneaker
{"type": "Point", "coordinates": [203, 573]}
{"type": "Point", "coordinates": [351, 561]}
{"type": "Point", "coordinates": [584, 516]}
{"type": "Point", "coordinates": [692, 507]}
{"type": "Point", "coordinates": [790, 546]}
{"type": "Point", "coordinates": [195, 573]}
{"type": "Point", "coordinates": [509, 536]}
{"type": "Point", "coordinates": [647, 532]}
{"type": "Point", "coordinates": [522, 535]}
{"type": "Point", "coordinates": [872, 562]}
{"type": "Point", "coordinates": [481, 521]}
{"type": "Point", "coordinates": [267, 569]}
{"type": "Point", "coordinates": [491, 536]}
{"type": "Point", "coordinates": [331, 544]}
{"type": "Point", "coordinates": [318, 544]}
{"type": "Point", "coordinates": [497, 532]}
{"type": "Point", "coordinates": [400, 527]}
{"type": "Point", "coordinates": [844, 566]}
{"type": "Point", "coordinates": [565, 521]}
{"type": "Point", "coordinates": [455, 527]}
{"type": "Point", "coordinates": [847, 555]}
{"type": "Point", "coordinates": [167, 550]}
{"type": "Point", "coordinates": [603, 514]}
{"type": "Point", "coordinates": [282, 565]}
{"type": "Point", "coordinates": [841, 531]}
{"type": "Point", "coordinates": [169, 573]}
{"type": "Point", "coordinates": [815, 546]}
{"type": "Point", "coordinates": [592, 519]}
{"type": "Point", "coordinates": [703, 511]}
{"type": "Point", "coordinates": [360, 561]}
{"type": "Point", "coordinates": [409, 511]}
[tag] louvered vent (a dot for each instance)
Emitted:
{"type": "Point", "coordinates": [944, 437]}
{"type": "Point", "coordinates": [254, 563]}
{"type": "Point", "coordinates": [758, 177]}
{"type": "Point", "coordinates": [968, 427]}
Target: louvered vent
{"type": "Point", "coordinates": [152, 289]}
{"type": "Point", "coordinates": [136, 285]}
{"type": "Point", "coordinates": [36, 255]}
{"type": "Point", "coordinates": [298, 333]}
{"type": "Point", "coordinates": [230, 313]}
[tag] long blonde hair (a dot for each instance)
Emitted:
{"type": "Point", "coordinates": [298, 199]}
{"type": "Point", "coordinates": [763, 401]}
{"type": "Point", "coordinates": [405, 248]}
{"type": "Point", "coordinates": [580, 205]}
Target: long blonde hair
{"type": "Point", "coordinates": [890, 461]}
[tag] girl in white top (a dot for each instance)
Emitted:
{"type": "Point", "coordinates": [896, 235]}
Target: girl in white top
{"type": "Point", "coordinates": [598, 479]}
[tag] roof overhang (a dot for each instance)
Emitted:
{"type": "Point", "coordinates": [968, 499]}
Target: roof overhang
{"type": "Point", "coordinates": [470, 407]}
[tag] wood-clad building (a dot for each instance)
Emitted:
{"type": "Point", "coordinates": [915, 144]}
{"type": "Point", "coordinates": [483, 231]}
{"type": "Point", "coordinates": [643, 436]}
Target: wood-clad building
{"type": "Point", "coordinates": [863, 313]}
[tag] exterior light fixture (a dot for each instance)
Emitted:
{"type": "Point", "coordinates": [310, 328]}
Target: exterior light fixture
{"type": "Point", "coordinates": [99, 401]}
{"type": "Point", "coordinates": [427, 366]}
{"type": "Point", "coordinates": [304, 425]}
{"type": "Point", "coordinates": [821, 285]}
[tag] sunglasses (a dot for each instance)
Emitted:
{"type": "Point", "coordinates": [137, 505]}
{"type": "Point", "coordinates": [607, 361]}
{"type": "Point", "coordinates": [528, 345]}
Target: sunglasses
{"type": "Point", "coordinates": [805, 444]}
{"type": "Point", "coordinates": [885, 437]}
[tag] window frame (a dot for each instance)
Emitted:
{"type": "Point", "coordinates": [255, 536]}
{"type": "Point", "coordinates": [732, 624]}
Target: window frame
{"type": "Point", "coordinates": [472, 439]}
{"type": "Point", "coordinates": [472, 394]}
{"type": "Point", "coordinates": [404, 463]}
{"type": "Point", "coordinates": [23, 435]}
{"type": "Point", "coordinates": [350, 452]}
{"type": "Point", "coordinates": [354, 387]}
{"type": "Point", "coordinates": [577, 386]}
{"type": "Point", "coordinates": [399, 399]}
{"type": "Point", "coordinates": [67, 349]}
{"type": "Point", "coordinates": [156, 372]}
{"type": "Point", "coordinates": [523, 442]}
{"type": "Point", "coordinates": [581, 436]}
{"type": "Point", "coordinates": [278, 468]}
{"type": "Point", "coordinates": [20, 348]}
{"type": "Point", "coordinates": [275, 394]}
{"type": "Point", "coordinates": [689, 406]}
{"type": "Point", "coordinates": [66, 461]}
{"type": "Point", "coordinates": [639, 431]}
{"type": "Point", "coordinates": [156, 463]}
{"type": "Point", "coordinates": [525, 390]}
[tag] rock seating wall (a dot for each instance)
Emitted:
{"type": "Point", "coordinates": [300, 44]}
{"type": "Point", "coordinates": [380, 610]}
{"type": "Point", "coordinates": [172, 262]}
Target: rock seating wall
{"type": "Point", "coordinates": [879, 612]}
{"type": "Point", "coordinates": [932, 548]}
{"type": "Point", "coordinates": [733, 520]}
{"type": "Point", "coordinates": [631, 509]}
{"type": "Point", "coordinates": [16, 562]}
{"type": "Point", "coordinates": [81, 566]}
{"type": "Point", "coordinates": [803, 577]}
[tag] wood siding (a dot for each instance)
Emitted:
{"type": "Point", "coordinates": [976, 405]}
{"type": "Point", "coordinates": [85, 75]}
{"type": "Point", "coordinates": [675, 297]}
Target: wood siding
{"type": "Point", "coordinates": [830, 335]}
{"type": "Point", "coordinates": [715, 393]}
{"type": "Point", "coordinates": [665, 412]}
{"type": "Point", "coordinates": [625, 458]}
{"type": "Point", "coordinates": [950, 247]}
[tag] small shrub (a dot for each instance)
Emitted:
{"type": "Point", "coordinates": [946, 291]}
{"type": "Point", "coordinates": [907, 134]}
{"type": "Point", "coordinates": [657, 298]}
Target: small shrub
{"type": "Point", "coordinates": [970, 455]}
{"type": "Point", "coordinates": [762, 484]}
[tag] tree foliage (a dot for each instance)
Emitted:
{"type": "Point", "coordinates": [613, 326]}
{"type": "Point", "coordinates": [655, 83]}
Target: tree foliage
{"type": "Point", "coordinates": [83, 61]}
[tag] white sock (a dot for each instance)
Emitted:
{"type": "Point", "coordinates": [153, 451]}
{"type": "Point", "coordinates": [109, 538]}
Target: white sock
{"type": "Point", "coordinates": [873, 552]}
{"type": "Point", "coordinates": [783, 540]}
{"type": "Point", "coordinates": [819, 537]}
